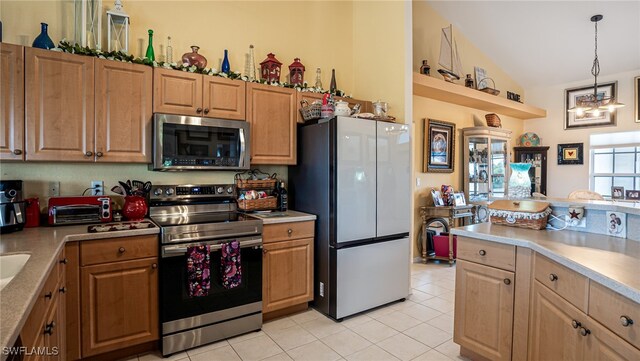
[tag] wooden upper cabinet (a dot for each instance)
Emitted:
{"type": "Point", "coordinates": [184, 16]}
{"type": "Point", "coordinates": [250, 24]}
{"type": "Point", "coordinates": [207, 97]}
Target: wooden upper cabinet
{"type": "Point", "coordinates": [124, 111]}
{"type": "Point", "coordinates": [224, 98]}
{"type": "Point", "coordinates": [271, 111]}
{"type": "Point", "coordinates": [177, 92]}
{"type": "Point", "coordinates": [12, 102]}
{"type": "Point", "coordinates": [60, 108]}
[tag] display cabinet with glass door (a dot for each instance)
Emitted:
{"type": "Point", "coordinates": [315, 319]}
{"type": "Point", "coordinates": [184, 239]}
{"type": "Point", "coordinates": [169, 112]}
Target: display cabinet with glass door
{"type": "Point", "coordinates": [486, 162]}
{"type": "Point", "coordinates": [537, 156]}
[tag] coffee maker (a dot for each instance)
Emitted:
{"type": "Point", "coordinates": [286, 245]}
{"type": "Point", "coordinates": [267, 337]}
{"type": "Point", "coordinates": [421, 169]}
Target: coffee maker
{"type": "Point", "coordinates": [12, 206]}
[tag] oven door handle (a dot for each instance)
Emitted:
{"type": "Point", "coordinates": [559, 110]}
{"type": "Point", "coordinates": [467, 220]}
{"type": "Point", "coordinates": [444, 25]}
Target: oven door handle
{"type": "Point", "coordinates": [170, 251]}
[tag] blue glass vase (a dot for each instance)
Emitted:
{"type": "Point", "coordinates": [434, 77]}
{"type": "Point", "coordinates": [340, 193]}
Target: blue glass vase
{"type": "Point", "coordinates": [225, 63]}
{"type": "Point", "coordinates": [519, 181]}
{"type": "Point", "coordinates": [43, 41]}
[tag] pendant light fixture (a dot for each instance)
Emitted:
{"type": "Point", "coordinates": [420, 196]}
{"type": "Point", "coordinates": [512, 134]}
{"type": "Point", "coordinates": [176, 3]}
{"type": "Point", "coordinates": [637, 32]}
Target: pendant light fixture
{"type": "Point", "coordinates": [595, 103]}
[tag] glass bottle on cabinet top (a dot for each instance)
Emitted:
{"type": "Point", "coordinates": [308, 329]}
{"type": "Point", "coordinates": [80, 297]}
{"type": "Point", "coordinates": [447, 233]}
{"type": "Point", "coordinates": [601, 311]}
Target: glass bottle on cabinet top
{"type": "Point", "coordinates": [486, 156]}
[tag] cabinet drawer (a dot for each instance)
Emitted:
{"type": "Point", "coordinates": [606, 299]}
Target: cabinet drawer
{"type": "Point", "coordinates": [283, 231]}
{"type": "Point", "coordinates": [33, 327]}
{"type": "Point", "coordinates": [488, 253]}
{"type": "Point", "coordinates": [118, 249]}
{"type": "Point", "coordinates": [614, 311]}
{"type": "Point", "coordinates": [572, 286]}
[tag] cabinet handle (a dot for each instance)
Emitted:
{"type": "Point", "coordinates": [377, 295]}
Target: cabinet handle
{"type": "Point", "coordinates": [584, 331]}
{"type": "Point", "coordinates": [99, 154]}
{"type": "Point", "coordinates": [553, 277]}
{"type": "Point", "coordinates": [507, 281]}
{"type": "Point", "coordinates": [206, 110]}
{"type": "Point", "coordinates": [88, 153]}
{"type": "Point", "coordinates": [121, 250]}
{"type": "Point", "coordinates": [625, 321]}
{"type": "Point", "coordinates": [482, 252]}
{"type": "Point", "coordinates": [199, 110]}
{"type": "Point", "coordinates": [575, 324]}
{"type": "Point", "coordinates": [17, 151]}
{"type": "Point", "coordinates": [289, 231]}
{"type": "Point", "coordinates": [62, 290]}
{"type": "Point", "coordinates": [64, 261]}
{"type": "Point", "coordinates": [154, 266]}
{"type": "Point", "coordinates": [49, 295]}
{"type": "Point", "coordinates": [48, 328]}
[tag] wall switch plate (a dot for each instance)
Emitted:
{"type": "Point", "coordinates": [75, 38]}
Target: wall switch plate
{"type": "Point", "coordinates": [97, 188]}
{"type": "Point", "coordinates": [321, 289]}
{"type": "Point", "coordinates": [54, 189]}
{"type": "Point", "coordinates": [418, 182]}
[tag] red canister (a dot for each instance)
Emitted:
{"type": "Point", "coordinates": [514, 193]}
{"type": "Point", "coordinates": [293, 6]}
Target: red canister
{"type": "Point", "coordinates": [33, 212]}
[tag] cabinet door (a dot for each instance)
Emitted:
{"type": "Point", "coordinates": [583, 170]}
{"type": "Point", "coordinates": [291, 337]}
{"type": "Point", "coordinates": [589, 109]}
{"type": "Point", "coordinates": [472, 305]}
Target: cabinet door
{"type": "Point", "coordinates": [272, 114]}
{"type": "Point", "coordinates": [177, 92]}
{"type": "Point", "coordinates": [12, 98]}
{"type": "Point", "coordinates": [552, 335]}
{"type": "Point", "coordinates": [603, 344]}
{"type": "Point", "coordinates": [123, 112]}
{"type": "Point", "coordinates": [119, 305]}
{"type": "Point", "coordinates": [484, 310]}
{"type": "Point", "coordinates": [54, 330]}
{"type": "Point", "coordinates": [224, 98]}
{"type": "Point", "coordinates": [59, 106]}
{"type": "Point", "coordinates": [287, 278]}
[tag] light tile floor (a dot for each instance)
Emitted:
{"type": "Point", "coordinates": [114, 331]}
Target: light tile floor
{"type": "Point", "coordinates": [420, 328]}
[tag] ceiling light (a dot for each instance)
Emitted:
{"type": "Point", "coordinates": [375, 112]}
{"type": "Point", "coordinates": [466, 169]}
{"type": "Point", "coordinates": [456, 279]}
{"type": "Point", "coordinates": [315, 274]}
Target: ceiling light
{"type": "Point", "coordinates": [594, 103]}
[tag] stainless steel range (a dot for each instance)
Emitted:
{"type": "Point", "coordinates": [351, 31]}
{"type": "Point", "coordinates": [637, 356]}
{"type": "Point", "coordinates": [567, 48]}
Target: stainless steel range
{"type": "Point", "coordinates": [204, 217]}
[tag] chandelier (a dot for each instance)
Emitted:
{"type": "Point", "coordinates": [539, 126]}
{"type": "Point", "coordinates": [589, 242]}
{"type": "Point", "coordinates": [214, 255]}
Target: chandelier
{"type": "Point", "coordinates": [595, 103]}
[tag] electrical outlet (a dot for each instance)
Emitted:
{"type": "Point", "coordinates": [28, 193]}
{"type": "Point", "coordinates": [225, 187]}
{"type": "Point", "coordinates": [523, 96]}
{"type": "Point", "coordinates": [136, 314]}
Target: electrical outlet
{"type": "Point", "coordinates": [97, 188]}
{"type": "Point", "coordinates": [321, 289]}
{"type": "Point", "coordinates": [54, 189]}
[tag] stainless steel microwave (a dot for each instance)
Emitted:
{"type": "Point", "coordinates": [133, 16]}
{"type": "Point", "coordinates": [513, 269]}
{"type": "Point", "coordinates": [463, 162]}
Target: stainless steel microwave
{"type": "Point", "coordinates": [194, 143]}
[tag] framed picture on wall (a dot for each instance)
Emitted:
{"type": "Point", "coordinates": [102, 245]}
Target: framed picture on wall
{"type": "Point", "coordinates": [570, 153]}
{"type": "Point", "coordinates": [574, 95]}
{"type": "Point", "coordinates": [636, 82]}
{"type": "Point", "coordinates": [439, 146]}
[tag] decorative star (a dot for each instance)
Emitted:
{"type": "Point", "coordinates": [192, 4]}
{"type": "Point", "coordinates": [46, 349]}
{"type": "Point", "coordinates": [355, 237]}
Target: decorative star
{"type": "Point", "coordinates": [574, 214]}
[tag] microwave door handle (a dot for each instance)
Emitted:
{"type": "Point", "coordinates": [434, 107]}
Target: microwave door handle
{"type": "Point", "coordinates": [242, 147]}
{"type": "Point", "coordinates": [170, 251]}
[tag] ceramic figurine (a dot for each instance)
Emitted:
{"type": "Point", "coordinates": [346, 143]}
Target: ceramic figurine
{"type": "Point", "coordinates": [193, 58]}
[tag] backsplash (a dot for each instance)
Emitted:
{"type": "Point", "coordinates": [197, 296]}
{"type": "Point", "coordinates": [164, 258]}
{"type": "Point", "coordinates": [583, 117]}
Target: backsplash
{"type": "Point", "coordinates": [597, 222]}
{"type": "Point", "coordinates": [74, 178]}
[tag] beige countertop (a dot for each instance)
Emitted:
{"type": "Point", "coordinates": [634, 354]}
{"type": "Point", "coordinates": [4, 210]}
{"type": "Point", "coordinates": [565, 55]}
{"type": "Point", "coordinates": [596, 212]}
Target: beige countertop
{"type": "Point", "coordinates": [284, 217]}
{"type": "Point", "coordinates": [612, 262]}
{"type": "Point", "coordinates": [43, 244]}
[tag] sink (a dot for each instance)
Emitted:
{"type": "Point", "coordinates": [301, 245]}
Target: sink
{"type": "Point", "coordinates": [10, 266]}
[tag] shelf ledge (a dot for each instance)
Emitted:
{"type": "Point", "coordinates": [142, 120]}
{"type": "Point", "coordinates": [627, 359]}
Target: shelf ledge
{"type": "Point", "coordinates": [434, 88]}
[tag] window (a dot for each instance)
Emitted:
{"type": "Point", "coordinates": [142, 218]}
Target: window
{"type": "Point", "coordinates": [615, 166]}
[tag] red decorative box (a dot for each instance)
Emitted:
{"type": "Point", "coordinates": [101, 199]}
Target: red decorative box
{"type": "Point", "coordinates": [441, 245]}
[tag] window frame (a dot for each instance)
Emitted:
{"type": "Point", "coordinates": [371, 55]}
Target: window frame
{"type": "Point", "coordinates": [636, 160]}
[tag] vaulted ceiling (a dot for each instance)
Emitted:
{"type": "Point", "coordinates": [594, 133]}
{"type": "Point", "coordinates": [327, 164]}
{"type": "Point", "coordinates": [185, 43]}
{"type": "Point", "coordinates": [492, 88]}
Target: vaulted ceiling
{"type": "Point", "coordinates": [542, 43]}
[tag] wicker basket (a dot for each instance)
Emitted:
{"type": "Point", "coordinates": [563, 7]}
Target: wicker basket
{"type": "Point", "coordinates": [310, 112]}
{"type": "Point", "coordinates": [522, 214]}
{"type": "Point", "coordinates": [255, 183]}
{"type": "Point", "coordinates": [493, 120]}
{"type": "Point", "coordinates": [260, 204]}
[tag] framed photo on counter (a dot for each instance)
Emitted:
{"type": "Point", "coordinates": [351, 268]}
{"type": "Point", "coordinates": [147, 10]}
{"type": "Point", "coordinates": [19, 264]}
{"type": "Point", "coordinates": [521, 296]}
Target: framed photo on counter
{"type": "Point", "coordinates": [575, 120]}
{"type": "Point", "coordinates": [439, 146]}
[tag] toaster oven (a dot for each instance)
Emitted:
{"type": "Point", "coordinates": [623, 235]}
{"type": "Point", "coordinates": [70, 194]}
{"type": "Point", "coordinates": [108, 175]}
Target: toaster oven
{"type": "Point", "coordinates": [78, 210]}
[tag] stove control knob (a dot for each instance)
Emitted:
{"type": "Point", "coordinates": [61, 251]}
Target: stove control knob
{"type": "Point", "coordinates": [169, 191]}
{"type": "Point", "coordinates": [229, 190]}
{"type": "Point", "coordinates": [220, 190]}
{"type": "Point", "coordinates": [158, 192]}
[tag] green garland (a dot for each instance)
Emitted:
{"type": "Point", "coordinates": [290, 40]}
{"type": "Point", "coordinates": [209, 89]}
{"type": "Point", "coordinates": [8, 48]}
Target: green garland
{"type": "Point", "coordinates": [67, 47]}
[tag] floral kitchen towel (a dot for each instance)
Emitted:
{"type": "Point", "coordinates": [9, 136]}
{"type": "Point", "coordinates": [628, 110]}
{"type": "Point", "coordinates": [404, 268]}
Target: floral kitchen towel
{"type": "Point", "coordinates": [198, 271]}
{"type": "Point", "coordinates": [231, 265]}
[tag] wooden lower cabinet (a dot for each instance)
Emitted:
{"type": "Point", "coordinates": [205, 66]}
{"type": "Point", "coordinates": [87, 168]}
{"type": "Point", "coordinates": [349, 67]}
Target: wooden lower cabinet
{"type": "Point", "coordinates": [288, 274]}
{"type": "Point", "coordinates": [602, 344]}
{"type": "Point", "coordinates": [484, 310]}
{"type": "Point", "coordinates": [119, 305]}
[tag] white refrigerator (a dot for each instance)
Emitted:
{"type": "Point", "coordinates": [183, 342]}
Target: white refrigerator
{"type": "Point", "coordinates": [354, 175]}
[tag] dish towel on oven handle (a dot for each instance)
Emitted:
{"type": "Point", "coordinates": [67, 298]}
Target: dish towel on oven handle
{"type": "Point", "coordinates": [198, 271]}
{"type": "Point", "coordinates": [231, 266]}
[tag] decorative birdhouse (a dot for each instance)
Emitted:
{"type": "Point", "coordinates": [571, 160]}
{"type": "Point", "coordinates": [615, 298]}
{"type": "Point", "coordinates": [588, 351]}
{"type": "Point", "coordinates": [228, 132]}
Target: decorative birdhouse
{"type": "Point", "coordinates": [296, 72]}
{"type": "Point", "coordinates": [270, 68]}
{"type": "Point", "coordinates": [88, 23]}
{"type": "Point", "coordinates": [117, 29]}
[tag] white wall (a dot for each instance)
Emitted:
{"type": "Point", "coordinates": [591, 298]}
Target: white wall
{"type": "Point", "coordinates": [565, 178]}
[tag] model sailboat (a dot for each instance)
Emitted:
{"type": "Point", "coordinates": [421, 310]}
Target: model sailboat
{"type": "Point", "coordinates": [449, 58]}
